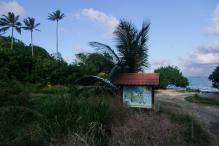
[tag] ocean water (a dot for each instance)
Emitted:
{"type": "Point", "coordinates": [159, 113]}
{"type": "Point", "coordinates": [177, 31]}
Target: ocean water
{"type": "Point", "coordinates": [201, 83]}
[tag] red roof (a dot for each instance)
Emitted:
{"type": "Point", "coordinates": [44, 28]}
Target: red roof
{"type": "Point", "coordinates": [137, 79]}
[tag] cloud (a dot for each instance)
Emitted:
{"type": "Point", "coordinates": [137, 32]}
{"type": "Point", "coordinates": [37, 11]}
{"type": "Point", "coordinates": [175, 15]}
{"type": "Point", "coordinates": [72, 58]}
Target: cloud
{"type": "Point", "coordinates": [156, 63]}
{"type": "Point", "coordinates": [202, 61]}
{"type": "Point", "coordinates": [207, 53]}
{"type": "Point", "coordinates": [214, 26]}
{"type": "Point", "coordinates": [107, 20]}
{"type": "Point", "coordinates": [12, 6]}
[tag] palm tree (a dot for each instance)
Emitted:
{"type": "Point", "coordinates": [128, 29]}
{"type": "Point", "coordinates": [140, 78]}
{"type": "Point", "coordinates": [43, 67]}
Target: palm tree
{"type": "Point", "coordinates": [56, 16]}
{"type": "Point", "coordinates": [31, 26]}
{"type": "Point", "coordinates": [132, 50]}
{"type": "Point", "coordinates": [10, 21]}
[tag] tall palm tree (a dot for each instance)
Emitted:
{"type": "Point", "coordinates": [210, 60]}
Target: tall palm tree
{"type": "Point", "coordinates": [10, 21]}
{"type": "Point", "coordinates": [56, 16]}
{"type": "Point", "coordinates": [131, 54]}
{"type": "Point", "coordinates": [31, 25]}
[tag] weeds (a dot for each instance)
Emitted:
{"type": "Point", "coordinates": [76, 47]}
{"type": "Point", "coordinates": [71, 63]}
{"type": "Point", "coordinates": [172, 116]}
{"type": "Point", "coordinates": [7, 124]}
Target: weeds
{"type": "Point", "coordinates": [58, 115]}
{"type": "Point", "coordinates": [202, 100]}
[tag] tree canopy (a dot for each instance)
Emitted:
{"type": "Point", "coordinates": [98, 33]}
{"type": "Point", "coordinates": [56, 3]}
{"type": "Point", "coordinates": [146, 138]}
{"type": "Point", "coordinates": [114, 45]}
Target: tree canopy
{"type": "Point", "coordinates": [131, 53]}
{"type": "Point", "coordinates": [44, 68]}
{"type": "Point", "coordinates": [171, 75]}
{"type": "Point", "coordinates": [10, 21]}
{"type": "Point", "coordinates": [214, 77]}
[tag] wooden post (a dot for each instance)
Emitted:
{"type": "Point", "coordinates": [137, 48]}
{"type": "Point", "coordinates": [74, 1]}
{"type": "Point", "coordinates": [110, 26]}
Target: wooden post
{"type": "Point", "coordinates": [152, 88]}
{"type": "Point", "coordinates": [192, 128]}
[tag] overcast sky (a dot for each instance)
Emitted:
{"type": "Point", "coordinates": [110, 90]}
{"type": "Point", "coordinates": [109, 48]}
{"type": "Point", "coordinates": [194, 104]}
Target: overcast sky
{"type": "Point", "coordinates": [183, 32]}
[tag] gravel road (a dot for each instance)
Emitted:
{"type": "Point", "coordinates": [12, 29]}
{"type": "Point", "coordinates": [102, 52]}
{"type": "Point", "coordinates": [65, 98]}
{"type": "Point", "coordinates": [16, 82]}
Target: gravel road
{"type": "Point", "coordinates": [209, 115]}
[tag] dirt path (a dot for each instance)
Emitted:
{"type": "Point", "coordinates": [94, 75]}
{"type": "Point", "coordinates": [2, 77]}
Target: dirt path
{"type": "Point", "coordinates": [209, 115]}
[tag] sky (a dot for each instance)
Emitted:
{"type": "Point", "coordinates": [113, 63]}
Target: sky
{"type": "Point", "coordinates": [183, 33]}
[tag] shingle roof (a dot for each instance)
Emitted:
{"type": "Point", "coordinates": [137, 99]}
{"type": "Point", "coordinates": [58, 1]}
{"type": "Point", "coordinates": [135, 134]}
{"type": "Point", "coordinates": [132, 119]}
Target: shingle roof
{"type": "Point", "coordinates": [137, 79]}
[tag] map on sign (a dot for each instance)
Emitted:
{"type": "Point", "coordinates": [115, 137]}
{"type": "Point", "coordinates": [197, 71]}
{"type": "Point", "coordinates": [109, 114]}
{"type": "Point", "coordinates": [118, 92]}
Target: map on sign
{"type": "Point", "coordinates": [137, 96]}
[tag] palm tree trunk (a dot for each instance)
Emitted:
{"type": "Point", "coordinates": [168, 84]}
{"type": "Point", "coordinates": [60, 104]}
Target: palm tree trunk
{"type": "Point", "coordinates": [12, 37]}
{"type": "Point", "coordinates": [57, 37]}
{"type": "Point", "coordinates": [31, 33]}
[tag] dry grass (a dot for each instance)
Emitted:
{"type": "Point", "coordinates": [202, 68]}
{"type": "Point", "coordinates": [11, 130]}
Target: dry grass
{"type": "Point", "coordinates": [142, 129]}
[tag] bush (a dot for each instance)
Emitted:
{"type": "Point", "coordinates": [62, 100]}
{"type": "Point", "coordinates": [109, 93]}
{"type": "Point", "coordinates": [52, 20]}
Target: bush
{"type": "Point", "coordinates": [21, 126]}
{"type": "Point", "coordinates": [214, 77]}
{"type": "Point", "coordinates": [71, 112]}
{"type": "Point", "coordinates": [13, 93]}
{"type": "Point", "coordinates": [171, 75]}
{"type": "Point", "coordinates": [202, 100]}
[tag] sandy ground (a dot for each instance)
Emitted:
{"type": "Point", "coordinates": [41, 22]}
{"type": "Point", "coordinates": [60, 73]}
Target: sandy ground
{"type": "Point", "coordinates": [209, 115]}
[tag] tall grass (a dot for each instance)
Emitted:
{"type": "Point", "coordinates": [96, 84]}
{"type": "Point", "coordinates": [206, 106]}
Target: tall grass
{"type": "Point", "coordinates": [57, 115]}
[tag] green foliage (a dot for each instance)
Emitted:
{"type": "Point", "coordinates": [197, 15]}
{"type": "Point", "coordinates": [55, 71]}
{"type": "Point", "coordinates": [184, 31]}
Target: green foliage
{"type": "Point", "coordinates": [132, 53]}
{"type": "Point", "coordinates": [30, 24]}
{"type": "Point", "coordinates": [10, 21]}
{"type": "Point", "coordinates": [54, 112]}
{"type": "Point", "coordinates": [95, 63]}
{"type": "Point", "coordinates": [73, 112]}
{"type": "Point", "coordinates": [43, 68]}
{"type": "Point", "coordinates": [56, 16]}
{"type": "Point", "coordinates": [51, 112]}
{"type": "Point", "coordinates": [131, 46]}
{"type": "Point", "coordinates": [21, 126]}
{"type": "Point", "coordinates": [202, 100]}
{"type": "Point", "coordinates": [214, 77]}
{"type": "Point", "coordinates": [13, 93]}
{"type": "Point", "coordinates": [171, 75]}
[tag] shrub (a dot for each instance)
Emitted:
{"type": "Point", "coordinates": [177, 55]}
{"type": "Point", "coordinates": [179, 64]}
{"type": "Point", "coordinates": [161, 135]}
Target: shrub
{"type": "Point", "coordinates": [13, 93]}
{"type": "Point", "coordinates": [21, 126]}
{"type": "Point", "coordinates": [66, 112]}
{"type": "Point", "coordinates": [214, 77]}
{"type": "Point", "coordinates": [171, 75]}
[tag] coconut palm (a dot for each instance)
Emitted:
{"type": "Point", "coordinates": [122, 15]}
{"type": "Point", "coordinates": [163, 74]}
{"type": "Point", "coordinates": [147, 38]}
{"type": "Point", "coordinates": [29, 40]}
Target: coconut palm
{"type": "Point", "coordinates": [31, 25]}
{"type": "Point", "coordinates": [56, 16]}
{"type": "Point", "coordinates": [10, 21]}
{"type": "Point", "coordinates": [131, 54]}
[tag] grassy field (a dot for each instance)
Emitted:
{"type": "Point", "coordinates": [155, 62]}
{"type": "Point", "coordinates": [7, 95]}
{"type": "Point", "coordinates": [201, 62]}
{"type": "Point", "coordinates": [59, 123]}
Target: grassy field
{"type": "Point", "coordinates": [60, 116]}
{"type": "Point", "coordinates": [202, 100]}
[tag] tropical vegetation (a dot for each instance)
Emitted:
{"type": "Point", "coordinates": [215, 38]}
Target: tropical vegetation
{"type": "Point", "coordinates": [42, 104]}
{"type": "Point", "coordinates": [130, 56]}
{"type": "Point", "coordinates": [31, 25]}
{"type": "Point", "coordinates": [202, 100]}
{"type": "Point", "coordinates": [214, 77]}
{"type": "Point", "coordinates": [10, 21]}
{"type": "Point", "coordinates": [56, 16]}
{"type": "Point", "coordinates": [171, 75]}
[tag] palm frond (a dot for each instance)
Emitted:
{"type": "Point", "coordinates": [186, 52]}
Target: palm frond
{"type": "Point", "coordinates": [91, 80]}
{"type": "Point", "coordinates": [4, 22]}
{"type": "Point", "coordinates": [105, 48]}
{"type": "Point", "coordinates": [3, 29]}
{"type": "Point", "coordinates": [18, 29]}
{"type": "Point", "coordinates": [30, 24]}
{"type": "Point", "coordinates": [132, 46]}
{"type": "Point", "coordinates": [114, 71]}
{"type": "Point", "coordinates": [56, 16]}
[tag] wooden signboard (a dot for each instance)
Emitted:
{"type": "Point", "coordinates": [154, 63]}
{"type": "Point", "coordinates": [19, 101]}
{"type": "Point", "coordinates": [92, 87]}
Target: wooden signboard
{"type": "Point", "coordinates": [137, 96]}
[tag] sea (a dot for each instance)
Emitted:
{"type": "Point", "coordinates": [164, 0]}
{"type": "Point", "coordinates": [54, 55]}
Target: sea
{"type": "Point", "coordinates": [201, 83]}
